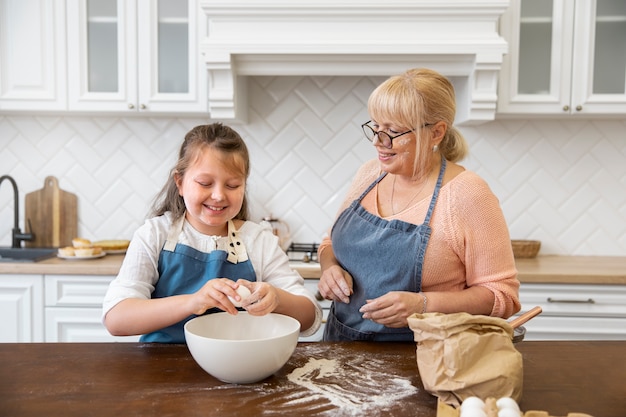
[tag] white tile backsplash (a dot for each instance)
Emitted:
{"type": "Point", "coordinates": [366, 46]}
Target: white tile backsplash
{"type": "Point", "coordinates": [560, 181]}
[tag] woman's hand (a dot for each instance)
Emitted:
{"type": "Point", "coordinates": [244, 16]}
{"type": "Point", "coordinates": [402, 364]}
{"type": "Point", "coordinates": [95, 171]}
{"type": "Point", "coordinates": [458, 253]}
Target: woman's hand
{"type": "Point", "coordinates": [336, 284]}
{"type": "Point", "coordinates": [393, 308]}
{"type": "Point", "coordinates": [214, 293]}
{"type": "Point", "coordinates": [263, 299]}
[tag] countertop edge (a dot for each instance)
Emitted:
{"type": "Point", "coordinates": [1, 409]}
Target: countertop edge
{"type": "Point", "coordinates": [547, 269]}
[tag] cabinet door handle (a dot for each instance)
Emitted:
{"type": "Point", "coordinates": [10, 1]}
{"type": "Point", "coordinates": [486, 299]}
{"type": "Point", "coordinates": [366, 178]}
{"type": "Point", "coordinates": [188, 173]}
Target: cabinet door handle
{"type": "Point", "coordinates": [566, 108]}
{"type": "Point", "coordinates": [587, 301]}
{"type": "Point", "coordinates": [579, 108]}
{"type": "Point", "coordinates": [131, 106]}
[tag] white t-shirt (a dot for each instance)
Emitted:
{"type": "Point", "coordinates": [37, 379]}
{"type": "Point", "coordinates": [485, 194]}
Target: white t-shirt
{"type": "Point", "coordinates": [139, 271]}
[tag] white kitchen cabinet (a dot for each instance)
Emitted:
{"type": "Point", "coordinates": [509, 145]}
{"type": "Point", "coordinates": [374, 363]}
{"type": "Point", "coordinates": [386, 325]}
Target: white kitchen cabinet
{"type": "Point", "coordinates": [566, 57]}
{"type": "Point", "coordinates": [21, 308]}
{"type": "Point", "coordinates": [32, 55]}
{"type": "Point", "coordinates": [575, 312]}
{"type": "Point", "coordinates": [73, 309]}
{"type": "Point", "coordinates": [136, 56]}
{"type": "Point", "coordinates": [121, 56]}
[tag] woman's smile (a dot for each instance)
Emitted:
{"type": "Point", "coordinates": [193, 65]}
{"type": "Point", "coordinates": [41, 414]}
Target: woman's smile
{"type": "Point", "coordinates": [385, 156]}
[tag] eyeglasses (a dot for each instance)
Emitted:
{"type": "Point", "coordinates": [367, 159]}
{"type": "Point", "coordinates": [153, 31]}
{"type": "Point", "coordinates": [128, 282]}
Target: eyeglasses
{"type": "Point", "coordinates": [383, 137]}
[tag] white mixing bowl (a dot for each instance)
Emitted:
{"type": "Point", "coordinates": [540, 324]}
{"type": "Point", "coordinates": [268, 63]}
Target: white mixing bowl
{"type": "Point", "coordinates": [242, 349]}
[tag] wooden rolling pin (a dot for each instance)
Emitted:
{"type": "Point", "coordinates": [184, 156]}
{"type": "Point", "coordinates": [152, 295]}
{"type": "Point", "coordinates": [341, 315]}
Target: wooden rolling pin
{"type": "Point", "coordinates": [518, 321]}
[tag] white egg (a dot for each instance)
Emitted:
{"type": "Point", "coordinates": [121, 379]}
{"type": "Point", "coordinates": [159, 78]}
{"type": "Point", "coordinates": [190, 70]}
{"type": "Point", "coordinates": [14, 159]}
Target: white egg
{"type": "Point", "coordinates": [473, 412]}
{"type": "Point", "coordinates": [508, 412]}
{"type": "Point", "coordinates": [508, 402]}
{"type": "Point", "coordinates": [473, 402]}
{"type": "Point", "coordinates": [243, 292]}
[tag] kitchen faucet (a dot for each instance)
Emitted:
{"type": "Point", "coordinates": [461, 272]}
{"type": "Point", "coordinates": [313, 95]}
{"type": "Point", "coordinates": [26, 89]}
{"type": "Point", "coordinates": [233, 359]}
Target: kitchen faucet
{"type": "Point", "coordinates": [16, 234]}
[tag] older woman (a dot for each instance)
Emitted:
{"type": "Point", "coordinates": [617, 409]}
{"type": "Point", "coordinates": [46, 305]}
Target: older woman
{"type": "Point", "coordinates": [417, 232]}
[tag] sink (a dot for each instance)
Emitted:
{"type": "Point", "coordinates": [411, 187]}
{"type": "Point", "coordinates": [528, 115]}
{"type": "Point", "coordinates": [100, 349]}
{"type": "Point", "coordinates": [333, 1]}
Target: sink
{"type": "Point", "coordinates": [26, 254]}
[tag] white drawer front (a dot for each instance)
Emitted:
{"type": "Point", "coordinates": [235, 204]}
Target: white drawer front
{"type": "Point", "coordinates": [575, 328]}
{"type": "Point", "coordinates": [79, 325]}
{"type": "Point", "coordinates": [575, 300]}
{"type": "Point", "coordinates": [76, 290]}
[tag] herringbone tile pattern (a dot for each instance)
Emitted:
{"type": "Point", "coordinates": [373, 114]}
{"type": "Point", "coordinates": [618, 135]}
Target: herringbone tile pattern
{"type": "Point", "coordinates": [560, 181]}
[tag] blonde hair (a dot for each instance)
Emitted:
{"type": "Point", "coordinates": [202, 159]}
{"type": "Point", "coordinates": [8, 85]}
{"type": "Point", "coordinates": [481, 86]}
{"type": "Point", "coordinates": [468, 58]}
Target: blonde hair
{"type": "Point", "coordinates": [216, 136]}
{"type": "Point", "coordinates": [420, 96]}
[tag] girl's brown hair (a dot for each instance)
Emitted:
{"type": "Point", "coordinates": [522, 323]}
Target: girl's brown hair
{"type": "Point", "coordinates": [216, 136]}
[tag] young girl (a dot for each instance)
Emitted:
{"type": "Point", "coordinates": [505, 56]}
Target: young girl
{"type": "Point", "coordinates": [199, 248]}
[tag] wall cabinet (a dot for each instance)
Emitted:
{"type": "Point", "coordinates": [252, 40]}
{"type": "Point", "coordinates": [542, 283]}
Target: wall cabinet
{"type": "Point", "coordinates": [32, 55]}
{"type": "Point", "coordinates": [135, 56]}
{"type": "Point", "coordinates": [566, 57]}
{"type": "Point", "coordinates": [575, 312]}
{"type": "Point", "coordinates": [123, 56]}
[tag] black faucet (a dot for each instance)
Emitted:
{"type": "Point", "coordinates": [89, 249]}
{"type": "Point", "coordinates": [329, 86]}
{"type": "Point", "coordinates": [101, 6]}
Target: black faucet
{"type": "Point", "coordinates": [16, 234]}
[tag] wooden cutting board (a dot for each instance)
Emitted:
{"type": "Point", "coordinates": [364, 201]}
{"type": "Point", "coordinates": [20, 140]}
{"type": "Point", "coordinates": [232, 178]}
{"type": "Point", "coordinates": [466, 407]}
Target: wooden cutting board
{"type": "Point", "coordinates": [53, 216]}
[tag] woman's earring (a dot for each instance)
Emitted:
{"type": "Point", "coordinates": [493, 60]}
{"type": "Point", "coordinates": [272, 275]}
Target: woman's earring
{"type": "Point", "coordinates": [435, 148]}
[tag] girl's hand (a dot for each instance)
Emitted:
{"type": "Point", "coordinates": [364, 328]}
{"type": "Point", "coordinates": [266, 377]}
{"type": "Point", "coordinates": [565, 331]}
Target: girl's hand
{"type": "Point", "coordinates": [263, 300]}
{"type": "Point", "coordinates": [336, 284]}
{"type": "Point", "coordinates": [393, 308]}
{"type": "Point", "coordinates": [214, 293]}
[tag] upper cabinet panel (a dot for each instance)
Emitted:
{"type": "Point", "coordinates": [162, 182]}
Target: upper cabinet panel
{"type": "Point", "coordinates": [135, 56]}
{"type": "Point", "coordinates": [102, 55]}
{"type": "Point", "coordinates": [122, 56]}
{"type": "Point", "coordinates": [565, 58]}
{"type": "Point", "coordinates": [32, 55]}
{"type": "Point", "coordinates": [172, 71]}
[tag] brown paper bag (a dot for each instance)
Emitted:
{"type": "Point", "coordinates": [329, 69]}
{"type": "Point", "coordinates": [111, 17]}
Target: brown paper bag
{"type": "Point", "coordinates": [462, 355]}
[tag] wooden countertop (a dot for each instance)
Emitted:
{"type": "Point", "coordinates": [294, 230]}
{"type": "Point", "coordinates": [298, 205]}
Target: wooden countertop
{"type": "Point", "coordinates": [543, 269]}
{"type": "Point", "coordinates": [374, 379]}
{"type": "Point", "coordinates": [107, 265]}
{"type": "Point", "coordinates": [572, 269]}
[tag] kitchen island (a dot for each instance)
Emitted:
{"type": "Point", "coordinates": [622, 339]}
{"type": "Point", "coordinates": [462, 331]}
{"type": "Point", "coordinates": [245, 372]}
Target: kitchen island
{"type": "Point", "coordinates": [321, 379]}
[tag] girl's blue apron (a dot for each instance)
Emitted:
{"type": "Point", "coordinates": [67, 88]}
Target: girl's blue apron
{"type": "Point", "coordinates": [184, 270]}
{"type": "Point", "coordinates": [382, 256]}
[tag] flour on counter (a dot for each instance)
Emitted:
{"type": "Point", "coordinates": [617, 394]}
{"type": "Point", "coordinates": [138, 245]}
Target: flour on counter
{"type": "Point", "coordinates": [353, 387]}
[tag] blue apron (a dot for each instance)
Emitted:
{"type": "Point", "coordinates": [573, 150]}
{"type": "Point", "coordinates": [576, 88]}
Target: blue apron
{"type": "Point", "coordinates": [382, 256]}
{"type": "Point", "coordinates": [184, 270]}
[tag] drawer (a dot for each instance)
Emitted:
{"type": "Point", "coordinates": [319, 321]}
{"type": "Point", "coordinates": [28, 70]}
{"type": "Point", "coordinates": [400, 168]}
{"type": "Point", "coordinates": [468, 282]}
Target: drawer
{"type": "Point", "coordinates": [77, 324]}
{"type": "Point", "coordinates": [575, 300]}
{"type": "Point", "coordinates": [76, 290]}
{"type": "Point", "coordinates": [575, 328]}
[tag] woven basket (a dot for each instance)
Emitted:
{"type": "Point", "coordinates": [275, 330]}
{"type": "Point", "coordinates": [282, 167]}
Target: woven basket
{"type": "Point", "coordinates": [525, 248]}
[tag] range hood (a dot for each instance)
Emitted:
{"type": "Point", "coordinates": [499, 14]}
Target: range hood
{"type": "Point", "coordinates": [458, 38]}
